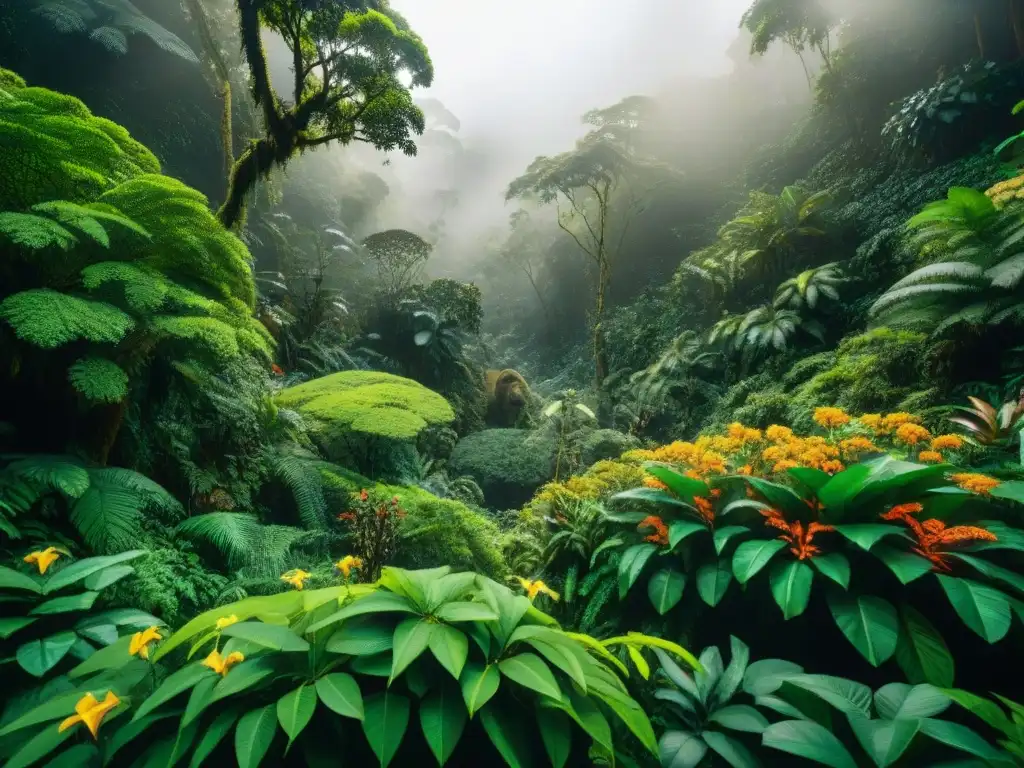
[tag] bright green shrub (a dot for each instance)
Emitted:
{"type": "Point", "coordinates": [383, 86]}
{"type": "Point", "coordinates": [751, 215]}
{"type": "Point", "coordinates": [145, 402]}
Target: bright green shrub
{"type": "Point", "coordinates": [507, 464]}
{"type": "Point", "coordinates": [435, 531]}
{"type": "Point", "coordinates": [481, 669]}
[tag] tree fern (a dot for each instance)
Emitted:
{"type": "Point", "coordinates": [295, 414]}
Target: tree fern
{"type": "Point", "coordinates": [63, 474]}
{"type": "Point", "coordinates": [99, 380]}
{"type": "Point", "coordinates": [48, 319]}
{"type": "Point", "coordinates": [243, 541]}
{"type": "Point", "coordinates": [808, 287]}
{"type": "Point", "coordinates": [296, 471]}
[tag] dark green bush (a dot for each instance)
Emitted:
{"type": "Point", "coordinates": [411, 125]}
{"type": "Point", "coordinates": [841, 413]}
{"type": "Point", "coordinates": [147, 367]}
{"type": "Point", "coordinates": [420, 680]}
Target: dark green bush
{"type": "Point", "coordinates": [507, 464]}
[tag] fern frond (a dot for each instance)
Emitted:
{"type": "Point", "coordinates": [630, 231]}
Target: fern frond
{"type": "Point", "coordinates": [99, 380]}
{"type": "Point", "coordinates": [47, 318]}
{"type": "Point", "coordinates": [899, 295]}
{"type": "Point", "coordinates": [89, 219]}
{"type": "Point", "coordinates": [143, 289]}
{"type": "Point", "coordinates": [234, 534]}
{"type": "Point", "coordinates": [35, 232]}
{"type": "Point", "coordinates": [1007, 273]}
{"type": "Point", "coordinates": [49, 473]}
{"type": "Point", "coordinates": [111, 38]}
{"type": "Point", "coordinates": [218, 338]}
{"type": "Point", "coordinates": [108, 515]}
{"type": "Point", "coordinates": [294, 468]}
{"type": "Point", "coordinates": [960, 270]}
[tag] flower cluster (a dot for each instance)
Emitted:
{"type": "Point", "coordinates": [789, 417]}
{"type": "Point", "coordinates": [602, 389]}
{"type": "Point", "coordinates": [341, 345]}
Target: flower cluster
{"type": "Point", "coordinates": [660, 530]}
{"type": "Point", "coordinates": [830, 418]}
{"type": "Point", "coordinates": [795, 534]}
{"type": "Point", "coordinates": [933, 536]}
{"type": "Point", "coordinates": [372, 521]}
{"type": "Point", "coordinates": [975, 483]}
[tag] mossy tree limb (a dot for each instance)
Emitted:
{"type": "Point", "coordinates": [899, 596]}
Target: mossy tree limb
{"type": "Point", "coordinates": [347, 63]}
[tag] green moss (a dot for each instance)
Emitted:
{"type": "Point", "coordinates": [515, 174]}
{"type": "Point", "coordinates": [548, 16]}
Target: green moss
{"type": "Point", "coordinates": [435, 531]}
{"type": "Point", "coordinates": [366, 402]}
{"type": "Point", "coordinates": [507, 464]}
{"type": "Point", "coordinates": [606, 444]}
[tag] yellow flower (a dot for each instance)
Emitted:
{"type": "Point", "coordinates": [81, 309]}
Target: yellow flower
{"type": "Point", "coordinates": [91, 711]}
{"type": "Point", "coordinates": [534, 588]}
{"type": "Point", "coordinates": [953, 442]}
{"type": "Point", "coordinates": [930, 457]}
{"type": "Point", "coordinates": [347, 563]}
{"type": "Point", "coordinates": [141, 641]}
{"type": "Point", "coordinates": [854, 446]}
{"type": "Point", "coordinates": [783, 465]}
{"type": "Point", "coordinates": [226, 621]}
{"type": "Point", "coordinates": [974, 482]}
{"type": "Point", "coordinates": [911, 434]}
{"type": "Point", "coordinates": [221, 664]}
{"type": "Point", "coordinates": [297, 577]}
{"type": "Point", "coordinates": [830, 417]}
{"type": "Point", "coordinates": [872, 421]}
{"type": "Point", "coordinates": [778, 434]}
{"type": "Point", "coordinates": [43, 559]}
{"type": "Point", "coordinates": [893, 420]}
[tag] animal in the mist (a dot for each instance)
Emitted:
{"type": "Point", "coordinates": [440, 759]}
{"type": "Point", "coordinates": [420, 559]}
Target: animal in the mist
{"type": "Point", "coordinates": [507, 397]}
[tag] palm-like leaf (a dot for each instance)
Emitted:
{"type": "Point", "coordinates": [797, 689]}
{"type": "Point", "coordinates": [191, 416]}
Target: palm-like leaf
{"type": "Point", "coordinates": [809, 287]}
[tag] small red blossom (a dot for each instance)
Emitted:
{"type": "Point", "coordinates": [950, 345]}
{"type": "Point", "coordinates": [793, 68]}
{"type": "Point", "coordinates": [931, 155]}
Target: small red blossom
{"type": "Point", "coordinates": [660, 535]}
{"type": "Point", "coordinates": [347, 516]}
{"type": "Point", "coordinates": [364, 495]}
{"type": "Point", "coordinates": [277, 370]}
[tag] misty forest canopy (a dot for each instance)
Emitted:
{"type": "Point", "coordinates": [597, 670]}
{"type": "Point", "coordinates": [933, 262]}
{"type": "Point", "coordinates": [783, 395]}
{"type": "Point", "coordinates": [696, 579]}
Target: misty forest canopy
{"type": "Point", "coordinates": [331, 422]}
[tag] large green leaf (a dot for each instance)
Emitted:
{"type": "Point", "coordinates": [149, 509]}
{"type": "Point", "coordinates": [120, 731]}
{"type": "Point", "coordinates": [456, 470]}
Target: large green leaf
{"type": "Point", "coordinates": [713, 580]}
{"type": "Point", "coordinates": [84, 568]}
{"type": "Point", "coordinates": [730, 680]}
{"type": "Point", "coordinates": [212, 736]}
{"type": "Point", "coordinates": [869, 622]}
{"type": "Point", "coordinates": [38, 747]}
{"type": "Point", "coordinates": [906, 566]}
{"type": "Point", "coordinates": [254, 734]}
{"type": "Point", "coordinates": [450, 647]}
{"type": "Point", "coordinates": [362, 636]}
{"type": "Point", "coordinates": [530, 671]}
{"type": "Point", "coordinates": [984, 610]}
{"type": "Point", "coordinates": [479, 683]}
{"type": "Point", "coordinates": [841, 489]}
{"type": "Point", "coordinates": [9, 626]}
{"type": "Point", "coordinates": [766, 676]}
{"type": "Point", "coordinates": [997, 573]}
{"type": "Point", "coordinates": [921, 652]}
{"type": "Point", "coordinates": [781, 497]}
{"type": "Point", "coordinates": [37, 657]}
{"type": "Point", "coordinates": [80, 602]}
{"type": "Point", "coordinates": [845, 695]}
{"type": "Point", "coordinates": [809, 740]}
{"type": "Point", "coordinates": [678, 530]}
{"type": "Point", "coordinates": [723, 536]}
{"type": "Point", "coordinates": [631, 564]}
{"type": "Point", "coordinates": [866, 535]}
{"type": "Point", "coordinates": [681, 749]}
{"type": "Point", "coordinates": [340, 693]}
{"type": "Point", "coordinates": [12, 579]}
{"type": "Point", "coordinates": [885, 741]}
{"type": "Point", "coordinates": [751, 556]}
{"type": "Point", "coordinates": [385, 723]}
{"type": "Point", "coordinates": [791, 586]}
{"type": "Point", "coordinates": [412, 637]}
{"type": "Point", "coordinates": [246, 675]}
{"type": "Point", "coordinates": [174, 684]}
{"type": "Point", "coordinates": [443, 718]}
{"type": "Point", "coordinates": [682, 486]}
{"type": "Point", "coordinates": [506, 733]}
{"type": "Point", "coordinates": [834, 566]}
{"type": "Point", "coordinates": [961, 737]}
{"type": "Point", "coordinates": [456, 612]}
{"type": "Point", "coordinates": [665, 589]}
{"type": "Point", "coordinates": [295, 710]}
{"type": "Point", "coordinates": [375, 602]}
{"type": "Point", "coordinates": [730, 750]}
{"type": "Point", "coordinates": [556, 734]}
{"type": "Point", "coordinates": [899, 701]}
{"type": "Point", "coordinates": [739, 717]}
{"type": "Point", "coordinates": [271, 636]}
{"type": "Point", "coordinates": [200, 698]}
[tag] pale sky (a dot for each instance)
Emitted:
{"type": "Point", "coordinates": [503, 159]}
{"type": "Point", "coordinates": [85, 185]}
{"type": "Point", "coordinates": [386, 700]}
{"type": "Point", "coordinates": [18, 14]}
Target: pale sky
{"type": "Point", "coordinates": [530, 68]}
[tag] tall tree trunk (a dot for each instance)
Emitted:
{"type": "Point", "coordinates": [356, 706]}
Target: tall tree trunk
{"type": "Point", "coordinates": [111, 419]}
{"type": "Point", "coordinates": [255, 162]}
{"type": "Point", "coordinates": [979, 33]}
{"type": "Point", "coordinates": [1016, 9]}
{"type": "Point", "coordinates": [600, 351]}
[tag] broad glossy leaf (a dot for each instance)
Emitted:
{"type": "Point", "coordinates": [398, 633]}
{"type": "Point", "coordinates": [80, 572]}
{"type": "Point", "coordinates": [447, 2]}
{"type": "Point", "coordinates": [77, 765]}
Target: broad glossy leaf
{"type": "Point", "coordinates": [362, 636]}
{"type": "Point", "coordinates": [295, 710]}
{"type": "Point", "coordinates": [986, 709]}
{"type": "Point", "coordinates": [766, 676]}
{"type": "Point", "coordinates": [730, 750]}
{"type": "Point", "coordinates": [906, 566]}
{"type": "Point", "coordinates": [994, 572]}
{"type": "Point", "coordinates": [246, 675]}
{"type": "Point", "coordinates": [340, 693]}
{"type": "Point", "coordinates": [212, 736]}
{"type": "Point", "coordinates": [732, 677]}
{"type": "Point", "coordinates": [812, 479]}
{"type": "Point", "coordinates": [103, 579]}
{"type": "Point", "coordinates": [173, 685]}
{"type": "Point", "coordinates": [739, 717]}
{"type": "Point", "coordinates": [12, 579]}
{"type": "Point", "coordinates": [665, 589]}
{"type": "Point", "coordinates": [556, 733]}
{"type": "Point", "coordinates": [723, 536]}
{"type": "Point", "coordinates": [272, 636]}
{"type": "Point", "coordinates": [375, 602]}
{"type": "Point", "coordinates": [960, 737]}
{"type": "Point", "coordinates": [897, 701]}
{"type": "Point", "coordinates": [83, 568]}
{"type": "Point", "coordinates": [450, 647]}
{"type": "Point", "coordinates": [37, 657]}
{"type": "Point", "coordinates": [921, 651]}
{"type": "Point", "coordinates": [781, 497]}
{"type": "Point", "coordinates": [751, 556]}
{"type": "Point", "coordinates": [791, 586]}
{"type": "Point", "coordinates": [443, 718]}
{"type": "Point", "coordinates": [530, 671]}
{"type": "Point", "coordinates": [869, 622]}
{"type": "Point", "coordinates": [80, 602]}
{"type": "Point", "coordinates": [779, 705]}
{"type": "Point", "coordinates": [254, 734]}
{"type": "Point", "coordinates": [845, 695]}
{"type": "Point", "coordinates": [682, 486]}
{"type": "Point", "coordinates": [983, 609]}
{"type": "Point", "coordinates": [479, 683]}
{"type": "Point", "coordinates": [841, 489]}
{"type": "Point", "coordinates": [199, 699]}
{"type": "Point", "coordinates": [631, 564]}
{"type": "Point", "coordinates": [39, 746]}
{"type": "Point", "coordinates": [809, 740]}
{"type": "Point", "coordinates": [385, 722]}
{"type": "Point", "coordinates": [866, 535]}
{"type": "Point", "coordinates": [835, 566]}
{"type": "Point", "coordinates": [885, 741]}
{"type": "Point", "coordinates": [506, 733]}
{"type": "Point", "coordinates": [678, 530]}
{"type": "Point", "coordinates": [455, 612]}
{"type": "Point", "coordinates": [713, 580]}
{"type": "Point", "coordinates": [412, 637]}
{"type": "Point", "coordinates": [9, 626]}
{"type": "Point", "coordinates": [680, 749]}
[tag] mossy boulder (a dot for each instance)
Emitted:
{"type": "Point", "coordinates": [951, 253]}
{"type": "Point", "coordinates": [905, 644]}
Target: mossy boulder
{"type": "Point", "coordinates": [507, 464]}
{"type": "Point", "coordinates": [606, 444]}
{"type": "Point", "coordinates": [367, 419]}
{"type": "Point", "coordinates": [435, 531]}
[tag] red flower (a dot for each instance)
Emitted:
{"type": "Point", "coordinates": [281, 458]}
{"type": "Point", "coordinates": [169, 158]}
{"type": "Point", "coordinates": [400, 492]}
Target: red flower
{"type": "Point", "coordinates": [347, 516]}
{"type": "Point", "coordinates": [277, 369]}
{"type": "Point", "coordinates": [364, 495]}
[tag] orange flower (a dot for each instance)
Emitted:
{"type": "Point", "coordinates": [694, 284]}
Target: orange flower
{"type": "Point", "coordinates": [975, 483]}
{"type": "Point", "coordinates": [933, 537]}
{"type": "Point", "coordinates": [930, 457]}
{"type": "Point", "coordinates": [746, 469]}
{"type": "Point", "coordinates": [854, 446]}
{"type": "Point", "coordinates": [653, 482]}
{"type": "Point", "coordinates": [660, 535]}
{"type": "Point", "coordinates": [364, 495]}
{"type": "Point", "coordinates": [911, 434]}
{"type": "Point", "coordinates": [951, 442]}
{"type": "Point", "coordinates": [778, 434]}
{"type": "Point", "coordinates": [783, 465]}
{"type": "Point", "coordinates": [795, 534]}
{"type": "Point", "coordinates": [705, 509]}
{"type": "Point", "coordinates": [872, 421]}
{"type": "Point", "coordinates": [277, 370]}
{"type": "Point", "coordinates": [832, 466]}
{"type": "Point", "coordinates": [831, 417]}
